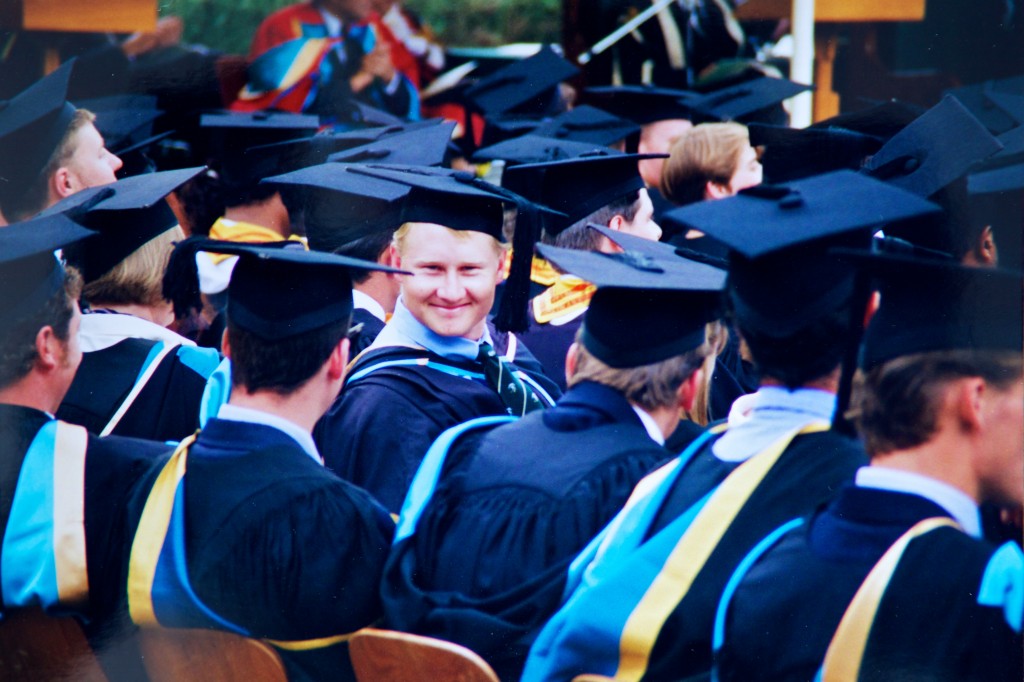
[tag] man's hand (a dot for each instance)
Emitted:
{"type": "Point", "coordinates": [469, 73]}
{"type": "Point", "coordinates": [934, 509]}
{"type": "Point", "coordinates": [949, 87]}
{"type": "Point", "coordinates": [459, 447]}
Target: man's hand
{"type": "Point", "coordinates": [376, 64]}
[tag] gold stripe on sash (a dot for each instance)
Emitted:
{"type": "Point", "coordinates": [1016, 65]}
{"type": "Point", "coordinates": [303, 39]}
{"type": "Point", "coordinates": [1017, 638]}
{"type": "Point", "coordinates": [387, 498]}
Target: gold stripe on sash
{"type": "Point", "coordinates": [150, 536]}
{"type": "Point", "coordinates": [69, 454]}
{"type": "Point", "coordinates": [846, 651]}
{"type": "Point", "coordinates": [691, 553]}
{"type": "Point", "coordinates": [310, 644]}
{"type": "Point", "coordinates": [567, 295]}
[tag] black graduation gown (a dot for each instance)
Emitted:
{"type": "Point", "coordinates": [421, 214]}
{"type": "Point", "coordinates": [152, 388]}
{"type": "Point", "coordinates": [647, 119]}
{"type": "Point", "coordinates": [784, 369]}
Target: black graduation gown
{"type": "Point", "coordinates": [167, 408]}
{"type": "Point", "coordinates": [372, 325]}
{"type": "Point", "coordinates": [549, 343]}
{"type": "Point", "coordinates": [808, 474]}
{"type": "Point", "coordinates": [380, 427]}
{"type": "Point", "coordinates": [929, 625]}
{"type": "Point", "coordinates": [278, 545]}
{"type": "Point", "coordinates": [516, 504]}
{"type": "Point", "coordinates": [112, 467]}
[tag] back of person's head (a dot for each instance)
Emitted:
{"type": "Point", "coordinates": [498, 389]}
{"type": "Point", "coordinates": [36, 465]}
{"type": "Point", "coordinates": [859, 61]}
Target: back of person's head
{"type": "Point", "coordinates": [709, 152]}
{"type": "Point", "coordinates": [580, 237]}
{"type": "Point", "coordinates": [18, 341]}
{"type": "Point", "coordinates": [19, 203]}
{"type": "Point", "coordinates": [138, 279]}
{"type": "Point", "coordinates": [651, 387]}
{"type": "Point", "coordinates": [897, 404]}
{"type": "Point", "coordinates": [370, 248]}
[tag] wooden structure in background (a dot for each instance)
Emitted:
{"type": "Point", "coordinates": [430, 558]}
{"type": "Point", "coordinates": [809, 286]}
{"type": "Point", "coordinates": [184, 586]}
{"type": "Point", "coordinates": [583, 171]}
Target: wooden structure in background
{"type": "Point", "coordinates": [831, 17]}
{"type": "Point", "coordinates": [35, 647]}
{"type": "Point", "coordinates": [171, 655]}
{"type": "Point", "coordinates": [389, 656]}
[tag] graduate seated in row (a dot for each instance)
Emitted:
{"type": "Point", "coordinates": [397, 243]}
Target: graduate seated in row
{"type": "Point", "coordinates": [65, 491]}
{"type": "Point", "coordinates": [266, 542]}
{"type": "Point", "coordinates": [438, 362]}
{"type": "Point", "coordinates": [644, 605]}
{"type": "Point", "coordinates": [482, 554]}
{"type": "Point", "coordinates": [137, 377]}
{"type": "Point", "coordinates": [941, 413]}
{"type": "Point", "coordinates": [51, 149]}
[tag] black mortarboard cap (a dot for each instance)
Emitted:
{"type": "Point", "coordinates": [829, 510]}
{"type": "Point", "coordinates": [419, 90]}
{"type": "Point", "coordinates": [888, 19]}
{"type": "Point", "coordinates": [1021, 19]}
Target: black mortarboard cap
{"type": "Point", "coordinates": [937, 148]}
{"type": "Point", "coordinates": [647, 308]}
{"type": "Point", "coordinates": [588, 124]}
{"type": "Point", "coordinates": [881, 120]}
{"type": "Point", "coordinates": [536, 149]}
{"type": "Point", "coordinates": [125, 215]}
{"type": "Point", "coordinates": [642, 104]}
{"type": "Point", "coordinates": [423, 146]}
{"type": "Point", "coordinates": [277, 293]}
{"type": "Point", "coordinates": [361, 114]}
{"type": "Point", "coordinates": [978, 99]}
{"type": "Point", "coordinates": [501, 127]}
{"type": "Point", "coordinates": [340, 206]}
{"type": "Point", "coordinates": [1004, 170]}
{"type": "Point", "coordinates": [781, 277]}
{"type": "Point", "coordinates": [1011, 103]}
{"type": "Point", "coordinates": [793, 153]}
{"type": "Point", "coordinates": [30, 273]}
{"type": "Point", "coordinates": [460, 201]}
{"type": "Point", "coordinates": [32, 124]}
{"type": "Point", "coordinates": [745, 101]}
{"type": "Point", "coordinates": [576, 187]}
{"type": "Point", "coordinates": [931, 305]}
{"type": "Point", "coordinates": [529, 86]}
{"type": "Point", "coordinates": [230, 136]}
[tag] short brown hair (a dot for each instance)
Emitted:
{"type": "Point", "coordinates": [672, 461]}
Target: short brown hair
{"type": "Point", "coordinates": [709, 152]}
{"type": "Point", "coordinates": [649, 386]}
{"type": "Point", "coordinates": [896, 405]}
{"type": "Point", "coordinates": [18, 342]}
{"type": "Point", "coordinates": [580, 237]}
{"type": "Point", "coordinates": [281, 366]}
{"type": "Point", "coordinates": [138, 279]}
{"type": "Point", "coordinates": [32, 200]}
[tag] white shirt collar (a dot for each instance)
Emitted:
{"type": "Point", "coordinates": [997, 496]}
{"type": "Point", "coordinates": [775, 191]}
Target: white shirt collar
{"type": "Point", "coordinates": [248, 415]}
{"type": "Point", "coordinates": [405, 330]}
{"type": "Point", "coordinates": [369, 304]}
{"type": "Point", "coordinates": [648, 421]}
{"type": "Point", "coordinates": [331, 23]}
{"type": "Point", "coordinates": [103, 330]}
{"type": "Point", "coordinates": [958, 503]}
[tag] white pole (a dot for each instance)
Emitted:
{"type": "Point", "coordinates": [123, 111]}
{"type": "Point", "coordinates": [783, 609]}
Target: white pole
{"type": "Point", "coordinates": [802, 66]}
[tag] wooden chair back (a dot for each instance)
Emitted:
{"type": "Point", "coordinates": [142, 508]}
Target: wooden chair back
{"type": "Point", "coordinates": [37, 647]}
{"type": "Point", "coordinates": [171, 655]}
{"type": "Point", "coordinates": [389, 656]}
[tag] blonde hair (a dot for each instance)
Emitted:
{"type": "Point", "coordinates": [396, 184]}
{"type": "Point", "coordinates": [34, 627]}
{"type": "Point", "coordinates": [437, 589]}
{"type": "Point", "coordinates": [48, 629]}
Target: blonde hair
{"type": "Point", "coordinates": [717, 337]}
{"type": "Point", "coordinates": [709, 152]}
{"type": "Point", "coordinates": [649, 386]}
{"type": "Point", "coordinates": [402, 233]}
{"type": "Point", "coordinates": [138, 279]}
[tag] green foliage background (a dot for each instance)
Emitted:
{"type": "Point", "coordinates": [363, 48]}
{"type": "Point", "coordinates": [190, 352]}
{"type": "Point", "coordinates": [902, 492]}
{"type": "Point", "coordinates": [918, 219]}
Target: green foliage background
{"type": "Point", "coordinates": [228, 25]}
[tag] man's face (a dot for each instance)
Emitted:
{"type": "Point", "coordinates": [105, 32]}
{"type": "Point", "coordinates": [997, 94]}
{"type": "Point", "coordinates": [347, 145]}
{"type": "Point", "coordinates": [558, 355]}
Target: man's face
{"type": "Point", "coordinates": [657, 138]}
{"type": "Point", "coordinates": [1002, 472]}
{"type": "Point", "coordinates": [643, 224]}
{"type": "Point", "coordinates": [452, 286]}
{"type": "Point", "coordinates": [91, 164]}
{"type": "Point", "coordinates": [72, 350]}
{"type": "Point", "coordinates": [748, 171]}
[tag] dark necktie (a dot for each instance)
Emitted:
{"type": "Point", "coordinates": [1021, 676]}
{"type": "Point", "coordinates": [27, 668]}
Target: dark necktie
{"type": "Point", "coordinates": [518, 397]}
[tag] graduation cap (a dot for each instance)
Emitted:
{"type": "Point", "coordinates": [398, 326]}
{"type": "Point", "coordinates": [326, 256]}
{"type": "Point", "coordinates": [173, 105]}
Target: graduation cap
{"type": "Point", "coordinates": [923, 158]}
{"type": "Point", "coordinates": [588, 124]}
{"type": "Point", "coordinates": [982, 101]}
{"type": "Point", "coordinates": [746, 101]}
{"type": "Point", "coordinates": [781, 276]}
{"type": "Point", "coordinates": [422, 146]}
{"type": "Point", "coordinates": [30, 273]}
{"type": "Point", "coordinates": [529, 86]}
{"type": "Point", "coordinates": [360, 114]}
{"type": "Point", "coordinates": [882, 120]}
{"type": "Point", "coordinates": [230, 137]}
{"type": "Point", "coordinates": [577, 187]}
{"type": "Point", "coordinates": [643, 104]}
{"type": "Point", "coordinates": [279, 293]}
{"type": "Point", "coordinates": [792, 153]}
{"type": "Point", "coordinates": [125, 215]}
{"type": "Point", "coordinates": [931, 305]}
{"type": "Point", "coordinates": [537, 149]}
{"type": "Point", "coordinates": [340, 206]}
{"type": "Point", "coordinates": [501, 127]}
{"type": "Point", "coordinates": [460, 201]}
{"type": "Point", "coordinates": [32, 124]}
{"type": "Point", "coordinates": [664, 302]}
{"type": "Point", "coordinates": [1004, 170]}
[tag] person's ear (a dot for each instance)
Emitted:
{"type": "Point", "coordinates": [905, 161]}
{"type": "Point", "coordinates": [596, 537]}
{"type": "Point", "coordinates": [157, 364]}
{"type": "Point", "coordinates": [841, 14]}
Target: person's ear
{"type": "Point", "coordinates": [61, 183]}
{"type": "Point", "coordinates": [570, 361]}
{"type": "Point", "coordinates": [715, 190]}
{"type": "Point", "coordinates": [225, 344]}
{"type": "Point", "coordinates": [687, 392]}
{"type": "Point", "coordinates": [337, 363]}
{"type": "Point", "coordinates": [969, 397]}
{"type": "Point", "coordinates": [986, 250]}
{"type": "Point", "coordinates": [49, 349]}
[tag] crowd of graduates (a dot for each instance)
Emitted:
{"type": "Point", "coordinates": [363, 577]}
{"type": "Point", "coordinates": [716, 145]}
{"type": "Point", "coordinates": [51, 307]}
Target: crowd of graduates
{"type": "Point", "coordinates": [632, 381]}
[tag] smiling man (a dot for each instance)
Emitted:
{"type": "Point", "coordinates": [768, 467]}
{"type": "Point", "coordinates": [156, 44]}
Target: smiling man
{"type": "Point", "coordinates": [437, 362]}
